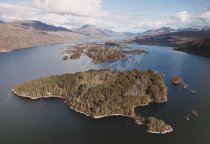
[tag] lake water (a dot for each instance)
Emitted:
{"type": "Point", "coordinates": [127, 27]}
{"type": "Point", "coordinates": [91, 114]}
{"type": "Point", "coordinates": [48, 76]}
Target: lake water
{"type": "Point", "coordinates": [51, 121]}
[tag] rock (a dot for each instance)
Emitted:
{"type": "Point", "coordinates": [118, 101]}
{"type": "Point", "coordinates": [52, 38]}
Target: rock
{"type": "Point", "coordinates": [65, 58]}
{"type": "Point", "coordinates": [187, 118]}
{"type": "Point", "coordinates": [75, 56]}
{"type": "Point", "coordinates": [192, 91]}
{"type": "Point", "coordinates": [183, 85]}
{"type": "Point", "coordinates": [195, 113]}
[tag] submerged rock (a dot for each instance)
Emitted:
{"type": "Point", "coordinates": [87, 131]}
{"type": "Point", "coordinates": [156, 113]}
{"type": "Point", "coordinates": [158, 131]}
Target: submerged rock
{"type": "Point", "coordinates": [65, 58]}
{"type": "Point", "coordinates": [195, 113]}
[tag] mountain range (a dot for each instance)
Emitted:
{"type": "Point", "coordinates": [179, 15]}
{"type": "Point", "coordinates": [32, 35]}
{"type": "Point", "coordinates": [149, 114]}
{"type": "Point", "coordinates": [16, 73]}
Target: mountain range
{"type": "Point", "coordinates": [93, 31]}
{"type": "Point", "coordinates": [162, 30]}
{"type": "Point", "coordinates": [37, 25]}
{"type": "Point", "coordinates": [190, 40]}
{"type": "Point", "coordinates": [24, 34]}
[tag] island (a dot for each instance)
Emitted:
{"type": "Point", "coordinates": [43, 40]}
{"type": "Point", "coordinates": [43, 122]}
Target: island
{"type": "Point", "coordinates": [158, 126]}
{"type": "Point", "coordinates": [101, 52]}
{"type": "Point", "coordinates": [102, 93]}
{"type": "Point", "coordinates": [177, 80]}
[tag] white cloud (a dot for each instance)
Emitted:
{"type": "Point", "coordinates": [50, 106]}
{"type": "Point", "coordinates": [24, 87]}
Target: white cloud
{"type": "Point", "coordinates": [75, 7]}
{"type": "Point", "coordinates": [16, 12]}
{"type": "Point", "coordinates": [75, 13]}
{"type": "Point", "coordinates": [71, 15]}
{"type": "Point", "coordinates": [183, 16]}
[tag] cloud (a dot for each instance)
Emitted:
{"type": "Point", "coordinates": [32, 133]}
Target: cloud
{"type": "Point", "coordinates": [74, 7]}
{"type": "Point", "coordinates": [16, 12]}
{"type": "Point", "coordinates": [63, 13]}
{"type": "Point", "coordinates": [181, 19]}
{"type": "Point", "coordinates": [75, 13]}
{"type": "Point", "coordinates": [183, 16]}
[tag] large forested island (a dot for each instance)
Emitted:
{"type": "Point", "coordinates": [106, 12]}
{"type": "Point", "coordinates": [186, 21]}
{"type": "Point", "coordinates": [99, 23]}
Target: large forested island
{"type": "Point", "coordinates": [102, 93]}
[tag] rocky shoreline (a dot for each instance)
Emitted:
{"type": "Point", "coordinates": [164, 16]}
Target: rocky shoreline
{"type": "Point", "coordinates": [163, 132]}
{"type": "Point", "coordinates": [137, 121]}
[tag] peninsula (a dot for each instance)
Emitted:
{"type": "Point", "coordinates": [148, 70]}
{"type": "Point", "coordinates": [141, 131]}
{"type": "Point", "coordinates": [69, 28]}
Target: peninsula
{"type": "Point", "coordinates": [103, 93]}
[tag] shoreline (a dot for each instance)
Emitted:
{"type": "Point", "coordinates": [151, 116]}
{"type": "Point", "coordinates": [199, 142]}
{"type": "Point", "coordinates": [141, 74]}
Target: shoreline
{"type": "Point", "coordinates": [100, 116]}
{"type": "Point", "coordinates": [163, 132]}
{"type": "Point", "coordinates": [92, 110]}
{"type": "Point", "coordinates": [29, 47]}
{"type": "Point", "coordinates": [4, 50]}
{"type": "Point", "coordinates": [95, 117]}
{"type": "Point", "coordinates": [48, 97]}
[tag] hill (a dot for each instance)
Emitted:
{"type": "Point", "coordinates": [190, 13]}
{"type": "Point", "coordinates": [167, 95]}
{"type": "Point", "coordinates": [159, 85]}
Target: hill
{"type": "Point", "coordinates": [37, 25]}
{"type": "Point", "coordinates": [200, 47]}
{"type": "Point", "coordinates": [189, 40]}
{"type": "Point", "coordinates": [16, 35]}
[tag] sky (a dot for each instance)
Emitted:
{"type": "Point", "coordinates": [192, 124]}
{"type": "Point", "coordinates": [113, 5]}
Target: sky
{"type": "Point", "coordinates": [118, 15]}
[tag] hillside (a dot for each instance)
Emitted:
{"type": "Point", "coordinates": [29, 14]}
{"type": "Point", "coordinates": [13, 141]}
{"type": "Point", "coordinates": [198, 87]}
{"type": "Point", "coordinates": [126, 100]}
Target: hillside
{"type": "Point", "coordinates": [37, 25]}
{"type": "Point", "coordinates": [201, 47]}
{"type": "Point", "coordinates": [16, 35]}
{"type": "Point", "coordinates": [188, 40]}
{"type": "Point", "coordinates": [162, 30]}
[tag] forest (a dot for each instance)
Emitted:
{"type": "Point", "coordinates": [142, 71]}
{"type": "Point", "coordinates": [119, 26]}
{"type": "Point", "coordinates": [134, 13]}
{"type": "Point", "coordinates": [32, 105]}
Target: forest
{"type": "Point", "coordinates": [100, 93]}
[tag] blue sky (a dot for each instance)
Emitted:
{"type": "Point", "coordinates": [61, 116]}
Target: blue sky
{"type": "Point", "coordinates": [169, 6]}
{"type": "Point", "coordinates": [163, 7]}
{"type": "Point", "coordinates": [120, 15]}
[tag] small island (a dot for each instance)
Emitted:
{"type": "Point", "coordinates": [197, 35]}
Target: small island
{"type": "Point", "coordinates": [177, 80]}
{"type": "Point", "coordinates": [158, 126]}
{"type": "Point", "coordinates": [100, 53]}
{"type": "Point", "coordinates": [102, 93]}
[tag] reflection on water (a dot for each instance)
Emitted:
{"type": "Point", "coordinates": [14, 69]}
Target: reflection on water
{"type": "Point", "coordinates": [51, 121]}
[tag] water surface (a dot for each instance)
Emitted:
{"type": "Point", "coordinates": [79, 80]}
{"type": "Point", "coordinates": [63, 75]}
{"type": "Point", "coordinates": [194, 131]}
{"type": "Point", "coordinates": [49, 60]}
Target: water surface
{"type": "Point", "coordinates": [51, 121]}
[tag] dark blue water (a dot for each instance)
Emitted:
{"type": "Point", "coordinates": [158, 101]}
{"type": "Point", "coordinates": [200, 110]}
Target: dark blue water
{"type": "Point", "coordinates": [24, 121]}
